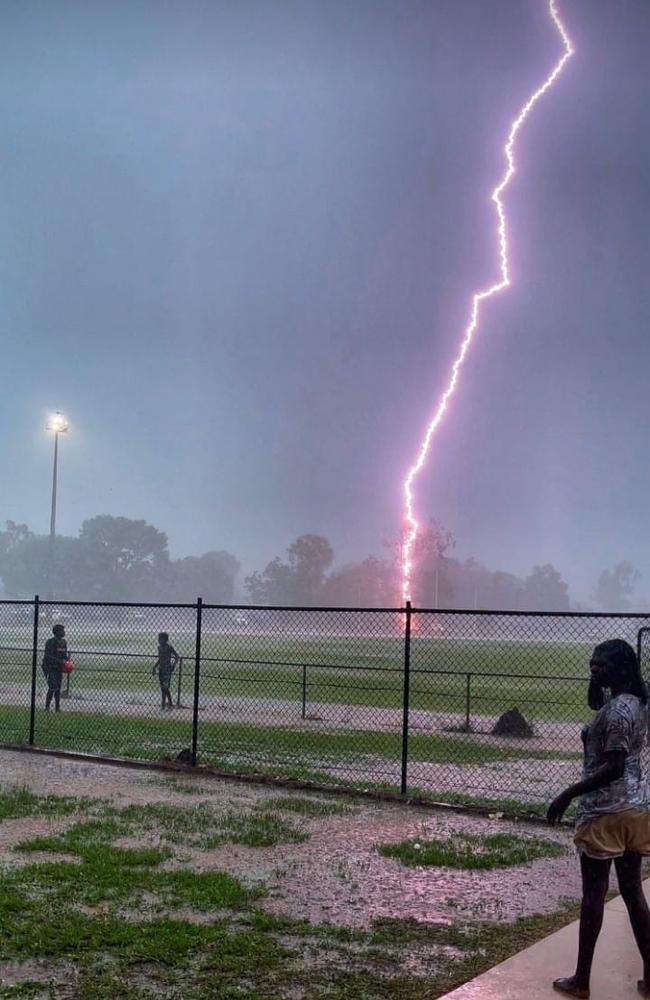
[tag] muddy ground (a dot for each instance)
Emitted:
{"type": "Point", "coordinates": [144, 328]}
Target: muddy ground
{"type": "Point", "coordinates": [337, 874]}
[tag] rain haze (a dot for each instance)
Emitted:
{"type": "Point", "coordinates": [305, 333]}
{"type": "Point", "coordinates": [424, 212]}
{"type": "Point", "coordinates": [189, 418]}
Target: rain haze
{"type": "Point", "coordinates": [239, 242]}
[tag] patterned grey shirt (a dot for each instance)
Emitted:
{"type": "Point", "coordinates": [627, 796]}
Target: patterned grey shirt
{"type": "Point", "coordinates": [621, 724]}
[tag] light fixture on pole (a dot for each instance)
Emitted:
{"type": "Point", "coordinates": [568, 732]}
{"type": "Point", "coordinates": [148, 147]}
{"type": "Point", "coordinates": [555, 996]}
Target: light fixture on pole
{"type": "Point", "coordinates": [59, 425]}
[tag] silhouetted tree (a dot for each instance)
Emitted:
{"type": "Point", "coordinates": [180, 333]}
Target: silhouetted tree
{"type": "Point", "coordinates": [545, 590]}
{"type": "Point", "coordinates": [272, 586]}
{"type": "Point", "coordinates": [506, 591]}
{"type": "Point", "coordinates": [210, 576]}
{"type": "Point", "coordinates": [24, 569]}
{"type": "Point", "coordinates": [129, 557]}
{"type": "Point", "coordinates": [369, 584]}
{"type": "Point", "coordinates": [615, 587]}
{"type": "Point", "coordinates": [299, 580]}
{"type": "Point", "coordinates": [13, 535]}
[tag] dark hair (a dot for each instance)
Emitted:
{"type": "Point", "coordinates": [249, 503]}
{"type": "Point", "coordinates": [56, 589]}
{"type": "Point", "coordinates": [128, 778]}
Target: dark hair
{"type": "Point", "coordinates": [163, 637]}
{"type": "Point", "coordinates": [624, 660]}
{"type": "Point", "coordinates": [58, 629]}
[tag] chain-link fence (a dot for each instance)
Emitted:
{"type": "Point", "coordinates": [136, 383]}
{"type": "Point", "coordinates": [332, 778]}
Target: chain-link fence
{"type": "Point", "coordinates": [457, 706]}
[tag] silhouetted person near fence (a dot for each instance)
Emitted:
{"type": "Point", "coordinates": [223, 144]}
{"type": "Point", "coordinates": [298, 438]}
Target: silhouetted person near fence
{"type": "Point", "coordinates": [56, 653]}
{"type": "Point", "coordinates": [167, 660]}
{"type": "Point", "coordinates": [613, 814]}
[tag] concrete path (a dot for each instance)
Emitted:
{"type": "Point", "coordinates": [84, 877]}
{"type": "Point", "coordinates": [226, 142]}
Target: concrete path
{"type": "Point", "coordinates": [528, 975]}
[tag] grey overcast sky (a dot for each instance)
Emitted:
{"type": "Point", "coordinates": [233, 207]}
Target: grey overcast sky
{"type": "Point", "coordinates": [237, 245]}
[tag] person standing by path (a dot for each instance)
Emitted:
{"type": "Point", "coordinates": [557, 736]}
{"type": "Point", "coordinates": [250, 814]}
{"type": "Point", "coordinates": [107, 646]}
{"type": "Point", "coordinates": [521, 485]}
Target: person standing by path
{"type": "Point", "coordinates": [54, 656]}
{"type": "Point", "coordinates": [613, 814]}
{"type": "Point", "coordinates": [165, 664]}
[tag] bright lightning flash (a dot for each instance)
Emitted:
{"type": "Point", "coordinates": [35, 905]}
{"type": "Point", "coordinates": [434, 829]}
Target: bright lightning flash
{"type": "Point", "coordinates": [411, 523]}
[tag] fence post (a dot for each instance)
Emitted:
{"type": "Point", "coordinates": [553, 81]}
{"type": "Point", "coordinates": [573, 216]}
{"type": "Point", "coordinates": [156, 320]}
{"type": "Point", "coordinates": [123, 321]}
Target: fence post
{"type": "Point", "coordinates": [32, 703]}
{"type": "Point", "coordinates": [468, 683]}
{"type": "Point", "coordinates": [639, 644]}
{"type": "Point", "coordinates": [405, 698]}
{"type": "Point", "coordinates": [304, 690]}
{"type": "Point", "coordinates": [197, 678]}
{"type": "Point", "coordinates": [180, 678]}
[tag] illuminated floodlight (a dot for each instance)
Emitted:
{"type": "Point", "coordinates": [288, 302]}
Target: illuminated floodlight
{"type": "Point", "coordinates": [57, 422]}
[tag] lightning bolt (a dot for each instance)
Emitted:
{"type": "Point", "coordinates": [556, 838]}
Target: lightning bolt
{"type": "Point", "coordinates": [410, 521]}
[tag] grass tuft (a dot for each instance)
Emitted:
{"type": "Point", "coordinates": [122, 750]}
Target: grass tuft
{"type": "Point", "coordinates": [304, 806]}
{"type": "Point", "coordinates": [19, 802]}
{"type": "Point", "coordinates": [473, 851]}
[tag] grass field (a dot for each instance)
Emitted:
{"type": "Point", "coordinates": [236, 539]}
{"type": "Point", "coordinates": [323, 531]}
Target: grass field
{"type": "Point", "coordinates": [369, 759]}
{"type": "Point", "coordinates": [546, 680]}
{"type": "Point", "coordinates": [156, 737]}
{"type": "Point", "coordinates": [250, 706]}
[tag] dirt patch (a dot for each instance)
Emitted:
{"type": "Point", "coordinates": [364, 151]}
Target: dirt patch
{"type": "Point", "coordinates": [14, 831]}
{"type": "Point", "coordinates": [13, 973]}
{"type": "Point", "coordinates": [339, 876]}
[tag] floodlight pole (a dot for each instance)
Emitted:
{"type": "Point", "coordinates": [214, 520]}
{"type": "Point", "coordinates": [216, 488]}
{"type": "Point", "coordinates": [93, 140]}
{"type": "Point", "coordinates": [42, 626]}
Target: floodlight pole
{"type": "Point", "coordinates": [59, 425]}
{"type": "Point", "coordinates": [50, 548]}
{"type": "Point", "coordinates": [54, 473]}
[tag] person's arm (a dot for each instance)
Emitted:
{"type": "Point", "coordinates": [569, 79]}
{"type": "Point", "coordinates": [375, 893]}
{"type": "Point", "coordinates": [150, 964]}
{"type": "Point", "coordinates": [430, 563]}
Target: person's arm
{"type": "Point", "coordinates": [155, 666]}
{"type": "Point", "coordinates": [47, 654]}
{"type": "Point", "coordinates": [610, 771]}
{"type": "Point", "coordinates": [174, 656]}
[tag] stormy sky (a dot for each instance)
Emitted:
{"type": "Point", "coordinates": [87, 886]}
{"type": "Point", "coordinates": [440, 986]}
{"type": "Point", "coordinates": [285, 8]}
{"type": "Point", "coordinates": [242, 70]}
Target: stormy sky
{"type": "Point", "coordinates": [237, 244]}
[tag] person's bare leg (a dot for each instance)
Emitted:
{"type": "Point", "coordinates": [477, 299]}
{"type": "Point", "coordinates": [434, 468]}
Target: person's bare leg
{"type": "Point", "coordinates": [628, 871]}
{"type": "Point", "coordinates": [48, 699]}
{"type": "Point", "coordinates": [57, 701]}
{"type": "Point", "coordinates": [595, 881]}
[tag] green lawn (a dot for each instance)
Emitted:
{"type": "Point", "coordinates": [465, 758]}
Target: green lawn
{"type": "Point", "coordinates": [156, 736]}
{"type": "Point", "coordinates": [354, 758]}
{"type": "Point", "coordinates": [361, 671]}
{"type": "Point", "coordinates": [546, 680]}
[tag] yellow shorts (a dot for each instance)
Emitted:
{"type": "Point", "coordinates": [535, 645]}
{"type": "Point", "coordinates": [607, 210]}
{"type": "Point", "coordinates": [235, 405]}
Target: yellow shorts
{"type": "Point", "coordinates": [611, 835]}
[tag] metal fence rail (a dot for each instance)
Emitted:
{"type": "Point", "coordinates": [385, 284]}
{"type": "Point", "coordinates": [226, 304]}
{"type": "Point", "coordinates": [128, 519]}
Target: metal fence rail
{"type": "Point", "coordinates": [404, 699]}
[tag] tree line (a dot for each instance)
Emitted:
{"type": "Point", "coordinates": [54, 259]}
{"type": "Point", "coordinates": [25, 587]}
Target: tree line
{"type": "Point", "coordinates": [112, 559]}
{"type": "Point", "coordinates": [306, 576]}
{"type": "Point", "coordinates": [121, 559]}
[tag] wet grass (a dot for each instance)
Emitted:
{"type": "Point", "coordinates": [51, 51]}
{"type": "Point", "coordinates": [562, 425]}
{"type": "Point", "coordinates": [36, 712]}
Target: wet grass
{"type": "Point", "coordinates": [506, 806]}
{"type": "Point", "coordinates": [118, 878]}
{"type": "Point", "coordinates": [19, 802]}
{"type": "Point", "coordinates": [116, 922]}
{"type": "Point", "coordinates": [548, 678]}
{"type": "Point", "coordinates": [366, 759]}
{"type": "Point", "coordinates": [222, 743]}
{"type": "Point", "coordinates": [250, 954]}
{"type": "Point", "coordinates": [299, 804]}
{"type": "Point", "coordinates": [524, 807]}
{"type": "Point", "coordinates": [28, 989]}
{"type": "Point", "coordinates": [304, 806]}
{"type": "Point", "coordinates": [203, 826]}
{"type": "Point", "coordinates": [199, 827]}
{"type": "Point", "coordinates": [473, 851]}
